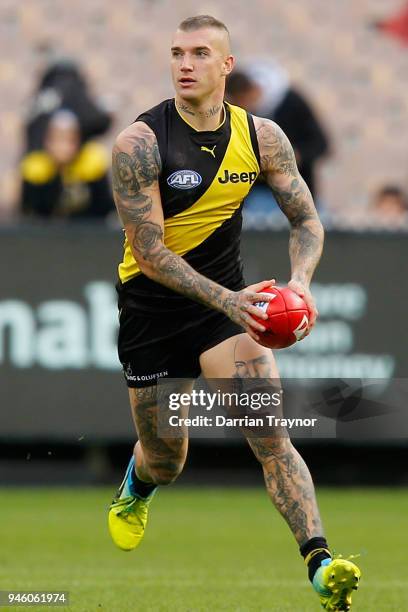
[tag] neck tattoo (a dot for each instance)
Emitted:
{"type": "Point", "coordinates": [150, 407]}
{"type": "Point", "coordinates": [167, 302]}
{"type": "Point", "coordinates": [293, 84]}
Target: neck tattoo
{"type": "Point", "coordinates": [211, 112]}
{"type": "Point", "coordinates": [207, 114]}
{"type": "Point", "coordinates": [183, 107]}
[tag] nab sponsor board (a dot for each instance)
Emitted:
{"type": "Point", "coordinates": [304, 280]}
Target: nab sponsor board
{"type": "Point", "coordinates": [61, 334]}
{"type": "Point", "coordinates": [330, 350]}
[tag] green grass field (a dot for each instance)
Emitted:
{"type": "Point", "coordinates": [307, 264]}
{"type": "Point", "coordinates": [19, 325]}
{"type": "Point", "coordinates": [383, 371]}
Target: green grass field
{"type": "Point", "coordinates": [204, 550]}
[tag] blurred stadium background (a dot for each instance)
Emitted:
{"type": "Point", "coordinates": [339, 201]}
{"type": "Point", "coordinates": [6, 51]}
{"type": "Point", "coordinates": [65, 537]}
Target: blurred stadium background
{"type": "Point", "coordinates": [64, 418]}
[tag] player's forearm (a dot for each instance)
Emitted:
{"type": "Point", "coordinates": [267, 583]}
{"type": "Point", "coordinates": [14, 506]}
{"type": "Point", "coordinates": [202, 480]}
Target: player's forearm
{"type": "Point", "coordinates": [174, 272]}
{"type": "Point", "coordinates": [169, 269]}
{"type": "Point", "coordinates": [306, 234]}
{"type": "Point", "coordinates": [278, 164]}
{"type": "Point", "coordinates": [305, 248]}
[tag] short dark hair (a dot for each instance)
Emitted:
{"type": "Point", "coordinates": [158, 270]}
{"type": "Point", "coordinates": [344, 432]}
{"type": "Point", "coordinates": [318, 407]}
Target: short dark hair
{"type": "Point", "coordinates": [202, 21]}
{"type": "Point", "coordinates": [238, 82]}
{"type": "Point", "coordinates": [391, 190]}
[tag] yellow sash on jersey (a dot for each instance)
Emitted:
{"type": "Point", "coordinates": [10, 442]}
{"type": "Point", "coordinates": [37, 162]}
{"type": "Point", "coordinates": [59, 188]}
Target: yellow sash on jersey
{"type": "Point", "coordinates": [188, 229]}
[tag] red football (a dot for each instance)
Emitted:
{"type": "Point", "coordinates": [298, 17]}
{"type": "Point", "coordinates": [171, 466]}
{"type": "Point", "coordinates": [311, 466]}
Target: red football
{"type": "Point", "coordinates": [288, 318]}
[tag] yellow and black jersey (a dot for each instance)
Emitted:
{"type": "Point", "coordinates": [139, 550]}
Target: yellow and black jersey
{"type": "Point", "coordinates": [204, 179]}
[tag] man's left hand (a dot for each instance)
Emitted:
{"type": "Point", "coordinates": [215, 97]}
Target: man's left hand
{"type": "Point", "coordinates": [304, 292]}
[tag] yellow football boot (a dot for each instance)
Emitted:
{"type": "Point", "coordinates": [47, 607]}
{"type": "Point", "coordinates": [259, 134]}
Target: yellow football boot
{"type": "Point", "coordinates": [334, 582]}
{"type": "Point", "coordinates": [128, 516]}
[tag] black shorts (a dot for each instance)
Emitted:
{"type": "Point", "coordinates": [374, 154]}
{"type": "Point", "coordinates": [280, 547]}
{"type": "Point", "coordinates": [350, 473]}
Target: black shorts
{"type": "Point", "coordinates": [151, 347]}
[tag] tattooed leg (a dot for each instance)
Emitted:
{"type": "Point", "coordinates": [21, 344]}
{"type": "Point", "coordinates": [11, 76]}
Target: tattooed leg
{"type": "Point", "coordinates": [239, 357]}
{"type": "Point", "coordinates": [287, 478]}
{"type": "Point", "coordinates": [159, 456]}
{"type": "Point", "coordinates": [289, 486]}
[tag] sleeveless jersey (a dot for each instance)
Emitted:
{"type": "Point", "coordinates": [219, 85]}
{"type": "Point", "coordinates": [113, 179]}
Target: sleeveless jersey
{"type": "Point", "coordinates": [204, 179]}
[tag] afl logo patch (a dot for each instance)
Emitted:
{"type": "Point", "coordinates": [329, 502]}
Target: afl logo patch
{"type": "Point", "coordinates": [184, 179]}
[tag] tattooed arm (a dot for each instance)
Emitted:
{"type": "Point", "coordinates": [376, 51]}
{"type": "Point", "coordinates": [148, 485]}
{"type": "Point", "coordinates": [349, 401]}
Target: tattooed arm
{"type": "Point", "coordinates": [278, 166]}
{"type": "Point", "coordinates": [136, 170]}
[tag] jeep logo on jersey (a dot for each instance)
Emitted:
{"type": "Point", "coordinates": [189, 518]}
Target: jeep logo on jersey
{"type": "Point", "coordinates": [234, 177]}
{"type": "Point", "coordinates": [184, 179]}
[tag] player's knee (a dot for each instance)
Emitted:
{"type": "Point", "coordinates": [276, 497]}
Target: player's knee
{"type": "Point", "coordinates": [165, 472]}
{"type": "Point", "coordinates": [267, 449]}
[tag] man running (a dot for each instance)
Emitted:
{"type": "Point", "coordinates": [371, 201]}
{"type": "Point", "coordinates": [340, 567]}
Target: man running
{"type": "Point", "coordinates": [181, 172]}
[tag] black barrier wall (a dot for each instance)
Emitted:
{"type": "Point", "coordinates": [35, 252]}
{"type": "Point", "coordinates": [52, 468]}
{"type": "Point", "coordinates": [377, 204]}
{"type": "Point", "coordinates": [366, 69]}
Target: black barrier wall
{"type": "Point", "coordinates": [60, 376]}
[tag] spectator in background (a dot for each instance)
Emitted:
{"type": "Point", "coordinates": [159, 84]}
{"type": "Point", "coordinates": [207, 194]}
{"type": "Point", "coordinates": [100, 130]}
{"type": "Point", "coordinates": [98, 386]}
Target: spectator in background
{"type": "Point", "coordinates": [396, 25]}
{"type": "Point", "coordinates": [66, 179]}
{"type": "Point", "coordinates": [390, 208]}
{"type": "Point", "coordinates": [263, 88]}
{"type": "Point", "coordinates": [62, 86]}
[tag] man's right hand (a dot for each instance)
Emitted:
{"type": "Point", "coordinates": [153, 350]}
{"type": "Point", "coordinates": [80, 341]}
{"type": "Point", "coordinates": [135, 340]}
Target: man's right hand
{"type": "Point", "coordinates": [240, 307]}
